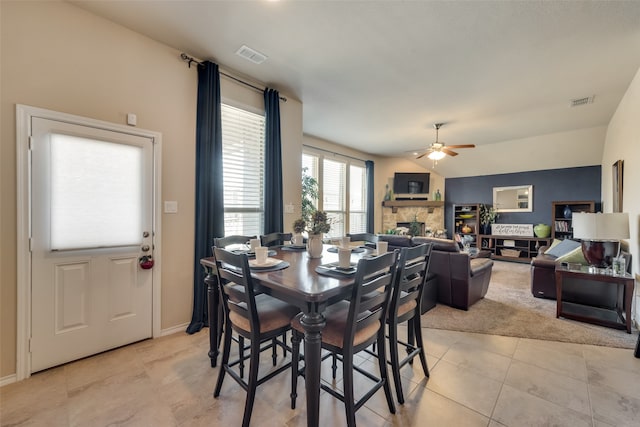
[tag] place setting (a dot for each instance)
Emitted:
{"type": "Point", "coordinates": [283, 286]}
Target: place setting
{"type": "Point", "coordinates": [249, 249]}
{"type": "Point", "coordinates": [343, 268]}
{"type": "Point", "coordinates": [263, 262]}
{"type": "Point", "coordinates": [345, 243]}
{"type": "Point", "coordinates": [297, 244]}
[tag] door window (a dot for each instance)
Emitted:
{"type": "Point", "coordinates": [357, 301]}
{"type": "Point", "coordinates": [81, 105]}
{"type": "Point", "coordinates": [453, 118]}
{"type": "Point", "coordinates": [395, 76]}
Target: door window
{"type": "Point", "coordinates": [96, 193]}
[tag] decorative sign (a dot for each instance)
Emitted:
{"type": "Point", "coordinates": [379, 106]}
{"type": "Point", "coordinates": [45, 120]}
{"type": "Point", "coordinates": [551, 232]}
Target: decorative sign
{"type": "Point", "coordinates": [524, 230]}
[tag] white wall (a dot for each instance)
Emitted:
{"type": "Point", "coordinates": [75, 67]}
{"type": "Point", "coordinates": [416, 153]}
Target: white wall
{"type": "Point", "coordinates": [623, 143]}
{"type": "Point", "coordinates": [527, 154]}
{"type": "Point", "coordinates": [57, 56]}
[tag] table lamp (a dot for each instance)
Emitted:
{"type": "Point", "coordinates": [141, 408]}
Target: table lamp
{"type": "Point", "coordinates": [600, 234]}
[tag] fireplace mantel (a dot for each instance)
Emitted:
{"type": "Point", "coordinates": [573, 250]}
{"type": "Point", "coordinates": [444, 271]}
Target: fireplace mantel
{"type": "Point", "coordinates": [395, 204]}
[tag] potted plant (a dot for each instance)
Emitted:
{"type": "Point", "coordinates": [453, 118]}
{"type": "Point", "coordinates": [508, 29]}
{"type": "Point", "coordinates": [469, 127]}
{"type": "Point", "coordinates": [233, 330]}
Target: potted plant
{"type": "Point", "coordinates": [414, 226]}
{"type": "Point", "coordinates": [318, 224]}
{"type": "Point", "coordinates": [488, 216]}
{"type": "Point", "coordinates": [299, 226]}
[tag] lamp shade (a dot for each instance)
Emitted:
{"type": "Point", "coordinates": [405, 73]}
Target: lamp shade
{"type": "Point", "coordinates": [601, 226]}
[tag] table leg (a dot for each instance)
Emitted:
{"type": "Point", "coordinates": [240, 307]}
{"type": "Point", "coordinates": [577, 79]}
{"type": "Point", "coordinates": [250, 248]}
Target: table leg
{"type": "Point", "coordinates": [313, 323]}
{"type": "Point", "coordinates": [628, 300]}
{"type": "Point", "coordinates": [558, 294]}
{"type": "Point", "coordinates": [213, 308]}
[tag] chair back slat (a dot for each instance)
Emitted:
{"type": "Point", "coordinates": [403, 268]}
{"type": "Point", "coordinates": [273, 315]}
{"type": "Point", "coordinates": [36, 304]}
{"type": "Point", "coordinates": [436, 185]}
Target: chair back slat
{"type": "Point", "coordinates": [223, 242]}
{"type": "Point", "coordinates": [367, 238]}
{"type": "Point", "coordinates": [372, 274]}
{"type": "Point", "coordinates": [275, 239]}
{"type": "Point", "coordinates": [413, 265]}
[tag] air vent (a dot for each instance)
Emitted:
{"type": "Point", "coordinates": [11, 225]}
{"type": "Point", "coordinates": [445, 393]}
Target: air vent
{"type": "Point", "coordinates": [581, 101]}
{"type": "Point", "coordinates": [251, 55]}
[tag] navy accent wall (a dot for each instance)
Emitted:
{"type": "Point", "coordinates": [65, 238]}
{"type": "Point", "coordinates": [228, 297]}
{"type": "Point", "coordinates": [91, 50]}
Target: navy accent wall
{"type": "Point", "coordinates": [571, 184]}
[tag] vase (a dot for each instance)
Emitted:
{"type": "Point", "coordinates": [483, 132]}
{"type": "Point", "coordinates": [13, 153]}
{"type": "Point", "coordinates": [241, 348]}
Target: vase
{"type": "Point", "coordinates": [542, 230]}
{"type": "Point", "coordinates": [486, 229]}
{"type": "Point", "coordinates": [314, 245]}
{"type": "Point", "coordinates": [567, 212]}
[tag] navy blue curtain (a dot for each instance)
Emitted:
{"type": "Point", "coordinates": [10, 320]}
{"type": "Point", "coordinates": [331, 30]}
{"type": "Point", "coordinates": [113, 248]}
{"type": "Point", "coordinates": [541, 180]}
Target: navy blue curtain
{"type": "Point", "coordinates": [209, 220]}
{"type": "Point", "coordinates": [370, 201]}
{"type": "Point", "coordinates": [272, 164]}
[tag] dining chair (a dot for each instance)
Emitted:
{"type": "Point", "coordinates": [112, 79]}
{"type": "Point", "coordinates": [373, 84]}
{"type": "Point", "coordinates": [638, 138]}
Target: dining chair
{"type": "Point", "coordinates": [352, 326]}
{"type": "Point", "coordinates": [368, 239]}
{"type": "Point", "coordinates": [275, 239]}
{"type": "Point", "coordinates": [412, 269]}
{"type": "Point", "coordinates": [258, 318]}
{"type": "Point", "coordinates": [224, 242]}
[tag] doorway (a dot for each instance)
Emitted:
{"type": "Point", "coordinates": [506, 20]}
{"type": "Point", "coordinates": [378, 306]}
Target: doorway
{"type": "Point", "coordinates": [88, 196]}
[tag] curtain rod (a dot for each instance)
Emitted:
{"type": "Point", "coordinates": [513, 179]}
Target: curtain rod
{"type": "Point", "coordinates": [189, 60]}
{"type": "Point", "coordinates": [332, 152]}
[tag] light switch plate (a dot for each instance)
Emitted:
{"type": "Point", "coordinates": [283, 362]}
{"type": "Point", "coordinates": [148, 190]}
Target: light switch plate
{"type": "Point", "coordinates": [170, 206]}
{"type": "Point", "coordinates": [288, 208]}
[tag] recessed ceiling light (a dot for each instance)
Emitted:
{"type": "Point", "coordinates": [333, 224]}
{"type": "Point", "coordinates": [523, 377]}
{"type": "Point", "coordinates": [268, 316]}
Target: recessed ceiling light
{"type": "Point", "coordinates": [251, 55]}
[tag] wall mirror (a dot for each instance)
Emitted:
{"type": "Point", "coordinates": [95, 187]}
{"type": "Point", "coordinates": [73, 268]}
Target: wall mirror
{"type": "Point", "coordinates": [513, 199]}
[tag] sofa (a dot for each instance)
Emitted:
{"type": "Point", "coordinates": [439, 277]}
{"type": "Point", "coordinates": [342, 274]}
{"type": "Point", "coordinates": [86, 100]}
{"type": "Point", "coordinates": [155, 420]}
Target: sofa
{"type": "Point", "coordinates": [456, 278]}
{"type": "Point", "coordinates": [543, 279]}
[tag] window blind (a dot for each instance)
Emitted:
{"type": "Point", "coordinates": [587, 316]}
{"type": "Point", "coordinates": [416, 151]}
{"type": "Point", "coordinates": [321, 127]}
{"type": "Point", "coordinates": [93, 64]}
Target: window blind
{"type": "Point", "coordinates": [334, 194]}
{"type": "Point", "coordinates": [357, 199]}
{"type": "Point", "coordinates": [243, 143]}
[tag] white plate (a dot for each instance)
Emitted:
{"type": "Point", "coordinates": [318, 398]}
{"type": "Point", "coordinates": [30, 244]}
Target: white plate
{"type": "Point", "coordinates": [270, 262]}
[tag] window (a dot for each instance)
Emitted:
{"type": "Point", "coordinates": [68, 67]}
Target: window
{"type": "Point", "coordinates": [342, 188]}
{"type": "Point", "coordinates": [243, 171]}
{"type": "Point", "coordinates": [96, 193]}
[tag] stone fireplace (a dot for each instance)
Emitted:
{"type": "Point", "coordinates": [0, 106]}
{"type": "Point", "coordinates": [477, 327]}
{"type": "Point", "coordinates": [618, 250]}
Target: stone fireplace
{"type": "Point", "coordinates": [408, 225]}
{"type": "Point", "coordinates": [400, 213]}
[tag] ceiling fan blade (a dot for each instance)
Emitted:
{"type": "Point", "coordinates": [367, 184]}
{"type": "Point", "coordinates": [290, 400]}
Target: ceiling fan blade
{"type": "Point", "coordinates": [449, 152]}
{"type": "Point", "coordinates": [423, 154]}
{"type": "Point", "coordinates": [461, 146]}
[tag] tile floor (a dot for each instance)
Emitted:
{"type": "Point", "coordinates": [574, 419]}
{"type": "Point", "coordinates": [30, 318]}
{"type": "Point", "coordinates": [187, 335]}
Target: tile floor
{"type": "Point", "coordinates": [476, 380]}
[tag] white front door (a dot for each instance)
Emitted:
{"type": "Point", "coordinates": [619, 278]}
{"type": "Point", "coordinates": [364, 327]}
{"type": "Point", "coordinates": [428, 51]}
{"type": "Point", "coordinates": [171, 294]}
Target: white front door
{"type": "Point", "coordinates": [91, 222]}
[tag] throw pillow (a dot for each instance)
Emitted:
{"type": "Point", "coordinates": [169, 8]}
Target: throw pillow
{"type": "Point", "coordinates": [562, 248]}
{"type": "Point", "coordinates": [575, 256]}
{"type": "Point", "coordinates": [555, 243]}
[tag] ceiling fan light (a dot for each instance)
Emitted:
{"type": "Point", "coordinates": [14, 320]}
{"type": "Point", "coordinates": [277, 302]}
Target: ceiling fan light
{"type": "Point", "coordinates": [436, 155]}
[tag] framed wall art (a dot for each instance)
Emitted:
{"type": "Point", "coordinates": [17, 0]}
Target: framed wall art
{"type": "Point", "coordinates": [617, 185]}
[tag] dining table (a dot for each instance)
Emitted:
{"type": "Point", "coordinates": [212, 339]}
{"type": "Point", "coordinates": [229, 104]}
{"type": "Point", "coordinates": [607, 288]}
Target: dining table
{"type": "Point", "coordinates": [312, 284]}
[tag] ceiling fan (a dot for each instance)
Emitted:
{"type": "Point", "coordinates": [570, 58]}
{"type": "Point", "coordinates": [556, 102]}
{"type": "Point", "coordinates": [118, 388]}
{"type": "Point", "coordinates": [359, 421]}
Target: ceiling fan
{"type": "Point", "coordinates": [438, 150]}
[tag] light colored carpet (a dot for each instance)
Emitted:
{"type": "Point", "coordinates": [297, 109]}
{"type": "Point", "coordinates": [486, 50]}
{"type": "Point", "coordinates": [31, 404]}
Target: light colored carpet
{"type": "Point", "coordinates": [509, 309]}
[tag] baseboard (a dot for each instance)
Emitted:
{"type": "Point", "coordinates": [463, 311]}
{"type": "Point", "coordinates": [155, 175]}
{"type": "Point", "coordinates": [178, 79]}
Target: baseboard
{"type": "Point", "coordinates": [9, 379]}
{"type": "Point", "coordinates": [174, 329]}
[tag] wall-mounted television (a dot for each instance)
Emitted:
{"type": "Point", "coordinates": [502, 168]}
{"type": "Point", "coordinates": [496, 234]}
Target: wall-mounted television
{"type": "Point", "coordinates": [411, 185]}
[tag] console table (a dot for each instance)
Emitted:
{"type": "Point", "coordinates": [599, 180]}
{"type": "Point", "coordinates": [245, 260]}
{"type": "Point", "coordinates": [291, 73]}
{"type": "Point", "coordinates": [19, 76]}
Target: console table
{"type": "Point", "coordinates": [618, 317]}
{"type": "Point", "coordinates": [512, 248]}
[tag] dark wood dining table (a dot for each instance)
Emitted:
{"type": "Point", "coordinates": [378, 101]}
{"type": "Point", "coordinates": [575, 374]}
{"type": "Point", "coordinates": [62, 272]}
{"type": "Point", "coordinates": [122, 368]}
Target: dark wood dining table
{"type": "Point", "coordinates": [300, 285]}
